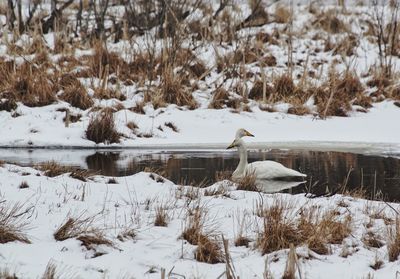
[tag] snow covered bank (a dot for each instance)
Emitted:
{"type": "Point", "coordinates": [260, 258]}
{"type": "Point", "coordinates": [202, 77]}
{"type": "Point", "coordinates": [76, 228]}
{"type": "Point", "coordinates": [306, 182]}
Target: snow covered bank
{"type": "Point", "coordinates": [124, 214]}
{"type": "Point", "coordinates": [202, 128]}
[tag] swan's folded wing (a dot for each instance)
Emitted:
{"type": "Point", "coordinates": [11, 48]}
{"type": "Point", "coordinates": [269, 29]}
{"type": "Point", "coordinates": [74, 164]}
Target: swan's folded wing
{"type": "Point", "coordinates": [271, 170]}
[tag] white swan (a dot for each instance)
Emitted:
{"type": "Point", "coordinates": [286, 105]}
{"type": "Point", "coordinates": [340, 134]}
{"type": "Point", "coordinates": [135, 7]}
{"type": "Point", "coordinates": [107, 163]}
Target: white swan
{"type": "Point", "coordinates": [261, 169]}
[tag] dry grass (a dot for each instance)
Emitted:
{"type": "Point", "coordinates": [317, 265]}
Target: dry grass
{"type": "Point", "coordinates": [172, 126]}
{"type": "Point", "coordinates": [335, 97]}
{"type": "Point", "coordinates": [256, 92]}
{"type": "Point", "coordinates": [312, 228]}
{"type": "Point", "coordinates": [172, 90]}
{"type": "Point", "coordinates": [6, 274]}
{"type": "Point", "coordinates": [28, 84]}
{"type": "Point", "coordinates": [299, 110]}
{"type": "Point", "coordinates": [102, 128]}
{"type": "Point", "coordinates": [222, 99]}
{"type": "Point", "coordinates": [8, 105]}
{"type": "Point", "coordinates": [208, 250]}
{"type": "Point", "coordinates": [393, 241]}
{"type": "Point", "coordinates": [161, 219]}
{"type": "Point", "coordinates": [50, 271]}
{"type": "Point", "coordinates": [282, 14]}
{"type": "Point", "coordinates": [127, 234]}
{"type": "Point", "coordinates": [52, 168]}
{"type": "Point", "coordinates": [75, 94]}
{"type": "Point", "coordinates": [12, 225]}
{"type": "Point", "coordinates": [278, 229]}
{"type": "Point", "coordinates": [83, 230]}
{"type": "Point", "coordinates": [248, 183]}
{"type": "Point", "coordinates": [23, 185]}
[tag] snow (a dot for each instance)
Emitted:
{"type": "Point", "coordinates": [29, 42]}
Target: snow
{"type": "Point", "coordinates": [132, 203]}
{"type": "Point", "coordinates": [202, 128]}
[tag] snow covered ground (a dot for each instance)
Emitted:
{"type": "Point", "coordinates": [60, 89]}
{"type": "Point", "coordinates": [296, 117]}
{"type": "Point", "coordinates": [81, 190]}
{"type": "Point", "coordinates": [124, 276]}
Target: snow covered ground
{"type": "Point", "coordinates": [200, 128]}
{"type": "Point", "coordinates": [131, 206]}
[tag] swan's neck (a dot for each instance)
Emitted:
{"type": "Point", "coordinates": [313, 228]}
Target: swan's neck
{"type": "Point", "coordinates": [241, 168]}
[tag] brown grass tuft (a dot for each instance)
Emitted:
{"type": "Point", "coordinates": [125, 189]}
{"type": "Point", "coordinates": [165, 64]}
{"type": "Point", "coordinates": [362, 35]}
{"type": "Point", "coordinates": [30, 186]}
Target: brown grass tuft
{"type": "Point", "coordinates": [393, 241]}
{"type": "Point", "coordinates": [83, 230]}
{"type": "Point", "coordinates": [92, 240]}
{"type": "Point", "coordinates": [256, 92]}
{"type": "Point", "coordinates": [173, 91]}
{"type": "Point", "coordinates": [242, 241]}
{"type": "Point", "coordinates": [23, 185]}
{"type": "Point", "coordinates": [161, 219]}
{"type": "Point", "coordinates": [278, 229]}
{"type": "Point", "coordinates": [284, 85]}
{"type": "Point", "coordinates": [312, 228]}
{"type": "Point", "coordinates": [50, 271]}
{"type": "Point", "coordinates": [282, 14]}
{"type": "Point", "coordinates": [11, 224]}
{"type": "Point", "coordinates": [248, 183]}
{"type": "Point", "coordinates": [75, 94]}
{"type": "Point", "coordinates": [298, 110]}
{"type": "Point", "coordinates": [8, 104]}
{"type": "Point", "coordinates": [6, 274]}
{"type": "Point", "coordinates": [222, 99]}
{"type": "Point", "coordinates": [102, 128]}
{"type": "Point", "coordinates": [52, 168]}
{"type": "Point", "coordinates": [172, 126]}
{"type": "Point", "coordinates": [209, 251]}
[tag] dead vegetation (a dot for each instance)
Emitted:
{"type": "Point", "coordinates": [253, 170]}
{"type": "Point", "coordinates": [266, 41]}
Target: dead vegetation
{"type": "Point", "coordinates": [315, 229]}
{"type": "Point", "coordinates": [161, 219]}
{"type": "Point", "coordinates": [208, 250]}
{"type": "Point", "coordinates": [13, 223]}
{"type": "Point", "coordinates": [84, 230]}
{"type": "Point", "coordinates": [102, 128]}
{"type": "Point", "coordinates": [393, 241]}
{"type": "Point", "coordinates": [52, 168]}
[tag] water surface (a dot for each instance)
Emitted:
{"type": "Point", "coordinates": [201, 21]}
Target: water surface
{"type": "Point", "coordinates": [378, 176]}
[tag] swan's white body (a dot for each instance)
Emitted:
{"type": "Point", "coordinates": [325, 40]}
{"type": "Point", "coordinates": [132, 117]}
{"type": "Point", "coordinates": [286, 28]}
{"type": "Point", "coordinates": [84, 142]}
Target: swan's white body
{"type": "Point", "coordinates": [261, 169]}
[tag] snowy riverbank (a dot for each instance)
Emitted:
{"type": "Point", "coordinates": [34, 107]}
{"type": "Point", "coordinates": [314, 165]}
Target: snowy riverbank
{"type": "Point", "coordinates": [123, 216]}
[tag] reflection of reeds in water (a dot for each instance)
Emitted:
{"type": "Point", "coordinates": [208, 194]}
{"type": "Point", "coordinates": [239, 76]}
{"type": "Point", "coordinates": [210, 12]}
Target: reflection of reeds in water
{"type": "Point", "coordinates": [328, 172]}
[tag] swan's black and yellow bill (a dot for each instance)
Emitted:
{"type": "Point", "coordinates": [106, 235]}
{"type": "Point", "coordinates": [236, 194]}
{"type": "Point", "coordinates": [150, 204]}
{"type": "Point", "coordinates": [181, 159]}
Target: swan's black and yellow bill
{"type": "Point", "coordinates": [248, 133]}
{"type": "Point", "coordinates": [232, 145]}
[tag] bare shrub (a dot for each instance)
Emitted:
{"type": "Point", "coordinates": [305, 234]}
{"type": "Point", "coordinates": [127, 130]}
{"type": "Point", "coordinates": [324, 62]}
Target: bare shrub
{"type": "Point", "coordinates": [12, 225]}
{"type": "Point", "coordinates": [102, 128]}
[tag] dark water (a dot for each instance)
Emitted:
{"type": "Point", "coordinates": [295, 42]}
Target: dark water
{"type": "Point", "coordinates": [378, 176]}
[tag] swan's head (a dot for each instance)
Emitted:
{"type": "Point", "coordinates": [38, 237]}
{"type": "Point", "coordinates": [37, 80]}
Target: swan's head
{"type": "Point", "coordinates": [243, 133]}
